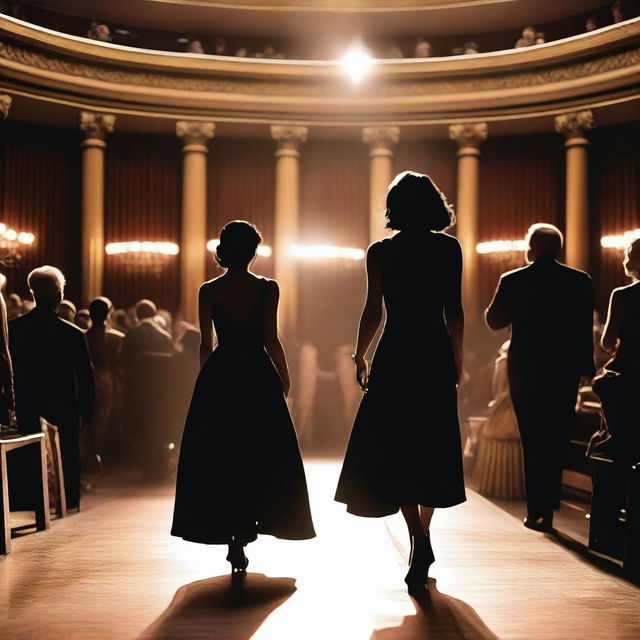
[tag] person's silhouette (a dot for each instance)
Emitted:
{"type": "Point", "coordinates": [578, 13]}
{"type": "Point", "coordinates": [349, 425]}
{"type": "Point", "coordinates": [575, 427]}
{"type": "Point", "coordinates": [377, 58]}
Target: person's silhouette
{"type": "Point", "coordinates": [549, 307]}
{"type": "Point", "coordinates": [240, 472]}
{"type": "Point", "coordinates": [404, 451]}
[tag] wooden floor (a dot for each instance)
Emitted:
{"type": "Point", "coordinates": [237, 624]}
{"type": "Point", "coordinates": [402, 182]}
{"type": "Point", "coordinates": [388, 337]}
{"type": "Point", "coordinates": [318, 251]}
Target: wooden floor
{"type": "Point", "coordinates": [113, 572]}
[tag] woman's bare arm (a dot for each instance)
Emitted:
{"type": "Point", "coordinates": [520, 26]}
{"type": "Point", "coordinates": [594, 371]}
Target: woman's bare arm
{"type": "Point", "coordinates": [271, 338]}
{"type": "Point", "coordinates": [371, 313]}
{"type": "Point", "coordinates": [453, 311]}
{"type": "Point", "coordinates": [611, 331]}
{"type": "Point", "coordinates": [206, 323]}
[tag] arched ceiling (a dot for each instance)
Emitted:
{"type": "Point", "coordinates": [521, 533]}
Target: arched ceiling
{"type": "Point", "coordinates": [297, 18]}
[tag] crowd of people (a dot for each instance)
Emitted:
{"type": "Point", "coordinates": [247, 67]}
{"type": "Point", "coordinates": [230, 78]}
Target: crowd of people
{"type": "Point", "coordinates": [420, 48]}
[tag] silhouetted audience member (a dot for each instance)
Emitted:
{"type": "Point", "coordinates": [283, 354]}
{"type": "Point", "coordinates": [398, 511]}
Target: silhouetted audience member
{"type": "Point", "coordinates": [53, 375]}
{"type": "Point", "coordinates": [83, 319]}
{"type": "Point", "coordinates": [616, 12]}
{"type": "Point", "coordinates": [14, 306]}
{"type": "Point", "coordinates": [121, 320]}
{"type": "Point", "coordinates": [470, 48]}
{"type": "Point", "coordinates": [619, 389]}
{"type": "Point", "coordinates": [527, 39]}
{"type": "Point", "coordinates": [67, 311]}
{"type": "Point", "coordinates": [590, 24]}
{"type": "Point", "coordinates": [104, 348]}
{"type": "Point", "coordinates": [7, 397]}
{"type": "Point", "coordinates": [195, 46]}
{"type": "Point", "coordinates": [99, 31]}
{"type": "Point", "coordinates": [540, 38]}
{"type": "Point", "coordinates": [220, 47]}
{"type": "Point", "coordinates": [549, 308]}
{"type": "Point", "coordinates": [422, 48]}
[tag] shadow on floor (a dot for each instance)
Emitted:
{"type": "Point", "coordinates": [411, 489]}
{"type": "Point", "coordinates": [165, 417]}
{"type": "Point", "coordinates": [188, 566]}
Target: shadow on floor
{"type": "Point", "coordinates": [438, 617]}
{"type": "Point", "coordinates": [218, 608]}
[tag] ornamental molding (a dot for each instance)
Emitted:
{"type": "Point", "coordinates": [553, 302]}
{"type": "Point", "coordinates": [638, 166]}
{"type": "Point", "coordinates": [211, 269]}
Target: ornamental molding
{"type": "Point", "coordinates": [289, 137]}
{"type": "Point", "coordinates": [96, 125]}
{"type": "Point", "coordinates": [5, 104]}
{"type": "Point", "coordinates": [470, 134]}
{"type": "Point", "coordinates": [381, 137]}
{"type": "Point", "coordinates": [574, 125]}
{"type": "Point", "coordinates": [321, 87]}
{"type": "Point", "coordinates": [195, 131]}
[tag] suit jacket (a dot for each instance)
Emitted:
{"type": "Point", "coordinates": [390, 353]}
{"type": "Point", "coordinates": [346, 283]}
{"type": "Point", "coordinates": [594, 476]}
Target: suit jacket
{"type": "Point", "coordinates": [550, 309]}
{"type": "Point", "coordinates": [145, 337]}
{"type": "Point", "coordinates": [53, 374]}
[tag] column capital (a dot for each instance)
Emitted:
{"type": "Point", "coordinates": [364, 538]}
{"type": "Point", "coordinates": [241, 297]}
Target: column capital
{"type": "Point", "coordinates": [288, 137]}
{"type": "Point", "coordinates": [381, 138]}
{"type": "Point", "coordinates": [469, 134]}
{"type": "Point", "coordinates": [195, 132]}
{"type": "Point", "coordinates": [5, 104]}
{"type": "Point", "coordinates": [574, 125]}
{"type": "Point", "coordinates": [96, 125]}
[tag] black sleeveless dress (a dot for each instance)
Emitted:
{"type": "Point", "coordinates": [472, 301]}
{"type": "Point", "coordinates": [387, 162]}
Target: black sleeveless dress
{"type": "Point", "coordinates": [405, 444]}
{"type": "Point", "coordinates": [240, 470]}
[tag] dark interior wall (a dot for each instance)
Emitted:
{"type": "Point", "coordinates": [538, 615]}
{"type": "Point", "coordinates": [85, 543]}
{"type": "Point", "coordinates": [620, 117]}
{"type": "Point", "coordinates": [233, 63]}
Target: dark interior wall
{"type": "Point", "coordinates": [142, 202]}
{"type": "Point", "coordinates": [40, 193]}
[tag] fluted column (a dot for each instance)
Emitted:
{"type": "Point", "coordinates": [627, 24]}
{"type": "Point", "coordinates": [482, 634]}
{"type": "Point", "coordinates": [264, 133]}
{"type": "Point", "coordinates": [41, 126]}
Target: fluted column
{"type": "Point", "coordinates": [95, 126]}
{"type": "Point", "coordinates": [469, 137]}
{"type": "Point", "coordinates": [5, 104]}
{"type": "Point", "coordinates": [193, 243]}
{"type": "Point", "coordinates": [574, 127]}
{"type": "Point", "coordinates": [287, 205]}
{"type": "Point", "coordinates": [381, 141]}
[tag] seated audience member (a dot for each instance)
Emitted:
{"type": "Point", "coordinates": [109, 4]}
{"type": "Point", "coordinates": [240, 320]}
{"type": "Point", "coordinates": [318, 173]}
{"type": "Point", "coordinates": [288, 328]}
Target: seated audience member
{"type": "Point", "coordinates": [7, 398]}
{"type": "Point", "coordinates": [67, 311]}
{"type": "Point", "coordinates": [99, 31]}
{"type": "Point", "coordinates": [195, 46]}
{"type": "Point", "coordinates": [619, 388]}
{"type": "Point", "coordinates": [616, 12]}
{"type": "Point", "coordinates": [540, 39]}
{"type": "Point", "coordinates": [422, 48]}
{"type": "Point", "coordinates": [14, 306]}
{"type": "Point", "coordinates": [167, 320]}
{"type": "Point", "coordinates": [104, 348]}
{"type": "Point", "coordinates": [121, 320]}
{"type": "Point", "coordinates": [220, 47]}
{"type": "Point", "coordinates": [528, 38]}
{"type": "Point", "coordinates": [242, 52]}
{"type": "Point", "coordinates": [270, 53]}
{"type": "Point", "coordinates": [590, 24]}
{"type": "Point", "coordinates": [470, 48]}
{"type": "Point", "coordinates": [53, 375]}
{"type": "Point", "coordinates": [498, 471]}
{"type": "Point", "coordinates": [83, 319]}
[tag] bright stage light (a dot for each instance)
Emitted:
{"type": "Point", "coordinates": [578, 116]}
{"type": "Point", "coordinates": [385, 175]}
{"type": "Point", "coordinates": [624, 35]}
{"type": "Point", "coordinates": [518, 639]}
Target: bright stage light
{"type": "Point", "coordinates": [159, 248]}
{"type": "Point", "coordinates": [320, 251]}
{"type": "Point", "coordinates": [356, 63]}
{"type": "Point", "coordinates": [262, 250]}
{"type": "Point", "coordinates": [501, 246]}
{"type": "Point", "coordinates": [619, 241]}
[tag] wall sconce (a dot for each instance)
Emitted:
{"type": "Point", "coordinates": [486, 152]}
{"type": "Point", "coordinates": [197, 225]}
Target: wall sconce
{"type": "Point", "coordinates": [620, 242]}
{"type": "Point", "coordinates": [143, 256]}
{"type": "Point", "coordinates": [262, 250]}
{"type": "Point", "coordinates": [12, 242]}
{"type": "Point", "coordinates": [325, 251]}
{"type": "Point", "coordinates": [501, 246]}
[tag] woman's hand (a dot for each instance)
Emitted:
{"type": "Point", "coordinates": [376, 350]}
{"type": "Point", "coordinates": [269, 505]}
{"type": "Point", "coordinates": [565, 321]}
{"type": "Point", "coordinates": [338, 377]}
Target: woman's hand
{"type": "Point", "coordinates": [362, 371]}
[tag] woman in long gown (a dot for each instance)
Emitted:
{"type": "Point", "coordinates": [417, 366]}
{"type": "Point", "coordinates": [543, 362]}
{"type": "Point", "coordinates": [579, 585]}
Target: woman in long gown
{"type": "Point", "coordinates": [499, 470]}
{"type": "Point", "coordinates": [404, 452]}
{"type": "Point", "coordinates": [240, 472]}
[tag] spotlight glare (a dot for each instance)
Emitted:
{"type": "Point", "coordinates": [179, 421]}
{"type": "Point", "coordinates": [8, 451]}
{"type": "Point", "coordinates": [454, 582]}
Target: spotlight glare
{"type": "Point", "coordinates": [356, 62]}
{"type": "Point", "coordinates": [501, 246]}
{"type": "Point", "coordinates": [326, 251]}
{"type": "Point", "coordinates": [157, 248]}
{"type": "Point", "coordinates": [262, 250]}
{"type": "Point", "coordinates": [621, 241]}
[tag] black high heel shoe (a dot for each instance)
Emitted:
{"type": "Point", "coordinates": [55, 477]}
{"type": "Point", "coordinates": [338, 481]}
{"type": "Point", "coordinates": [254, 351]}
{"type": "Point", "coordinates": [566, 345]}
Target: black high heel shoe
{"type": "Point", "coordinates": [421, 559]}
{"type": "Point", "coordinates": [238, 559]}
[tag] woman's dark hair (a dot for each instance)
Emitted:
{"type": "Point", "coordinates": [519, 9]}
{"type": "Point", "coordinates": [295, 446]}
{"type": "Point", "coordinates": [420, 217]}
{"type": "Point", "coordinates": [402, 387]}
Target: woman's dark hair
{"type": "Point", "coordinates": [415, 203]}
{"type": "Point", "coordinates": [238, 243]}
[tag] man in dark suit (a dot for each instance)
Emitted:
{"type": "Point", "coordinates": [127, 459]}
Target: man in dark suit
{"type": "Point", "coordinates": [52, 372]}
{"type": "Point", "coordinates": [549, 307]}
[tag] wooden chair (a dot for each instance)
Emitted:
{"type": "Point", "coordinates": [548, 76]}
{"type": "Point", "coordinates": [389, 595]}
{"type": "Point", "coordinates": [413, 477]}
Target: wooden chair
{"type": "Point", "coordinates": [41, 498]}
{"type": "Point", "coordinates": [55, 465]}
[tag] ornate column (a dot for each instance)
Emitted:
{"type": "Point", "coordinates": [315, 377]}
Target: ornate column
{"type": "Point", "coordinates": [574, 127]}
{"type": "Point", "coordinates": [469, 137]}
{"type": "Point", "coordinates": [287, 204]}
{"type": "Point", "coordinates": [5, 104]}
{"type": "Point", "coordinates": [193, 243]}
{"type": "Point", "coordinates": [95, 126]}
{"type": "Point", "coordinates": [381, 141]}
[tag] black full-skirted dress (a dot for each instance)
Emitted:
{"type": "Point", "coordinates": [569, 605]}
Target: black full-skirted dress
{"type": "Point", "coordinates": [405, 444]}
{"type": "Point", "coordinates": [240, 472]}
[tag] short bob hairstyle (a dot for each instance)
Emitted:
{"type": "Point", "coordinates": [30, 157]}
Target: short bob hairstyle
{"type": "Point", "coordinates": [415, 203]}
{"type": "Point", "coordinates": [239, 241]}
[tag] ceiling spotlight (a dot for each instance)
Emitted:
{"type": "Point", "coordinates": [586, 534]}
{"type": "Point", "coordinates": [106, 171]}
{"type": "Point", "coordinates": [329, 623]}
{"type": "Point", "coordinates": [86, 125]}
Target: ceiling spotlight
{"type": "Point", "coordinates": [356, 63]}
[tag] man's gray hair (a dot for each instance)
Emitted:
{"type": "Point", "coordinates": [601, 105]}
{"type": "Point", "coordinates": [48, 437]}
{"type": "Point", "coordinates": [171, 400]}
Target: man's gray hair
{"type": "Point", "coordinates": [545, 238]}
{"type": "Point", "coordinates": [44, 277]}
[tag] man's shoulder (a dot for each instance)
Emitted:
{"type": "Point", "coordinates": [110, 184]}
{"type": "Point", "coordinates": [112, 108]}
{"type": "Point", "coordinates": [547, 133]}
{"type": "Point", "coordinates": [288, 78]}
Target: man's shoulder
{"type": "Point", "coordinates": [515, 274]}
{"type": "Point", "coordinates": [68, 328]}
{"type": "Point", "coordinates": [572, 272]}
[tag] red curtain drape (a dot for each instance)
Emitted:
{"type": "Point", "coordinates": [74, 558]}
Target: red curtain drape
{"type": "Point", "coordinates": [241, 186]}
{"type": "Point", "coordinates": [40, 193]}
{"type": "Point", "coordinates": [142, 202]}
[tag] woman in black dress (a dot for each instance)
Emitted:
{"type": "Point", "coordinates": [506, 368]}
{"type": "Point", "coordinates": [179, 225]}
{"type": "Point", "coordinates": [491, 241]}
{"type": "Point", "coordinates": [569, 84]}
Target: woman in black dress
{"type": "Point", "coordinates": [240, 471]}
{"type": "Point", "coordinates": [404, 451]}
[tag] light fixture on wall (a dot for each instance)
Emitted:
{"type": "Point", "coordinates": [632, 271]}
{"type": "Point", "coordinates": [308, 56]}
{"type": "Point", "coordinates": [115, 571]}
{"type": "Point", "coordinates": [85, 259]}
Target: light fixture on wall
{"type": "Point", "coordinates": [501, 246]}
{"type": "Point", "coordinates": [143, 256]}
{"type": "Point", "coordinates": [325, 251]}
{"type": "Point", "coordinates": [262, 250]}
{"type": "Point", "coordinates": [621, 241]}
{"type": "Point", "coordinates": [12, 243]}
{"type": "Point", "coordinates": [356, 63]}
